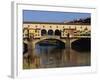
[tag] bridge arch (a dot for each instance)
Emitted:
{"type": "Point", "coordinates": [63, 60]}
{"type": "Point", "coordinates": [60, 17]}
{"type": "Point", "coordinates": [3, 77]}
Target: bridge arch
{"type": "Point", "coordinates": [57, 42]}
{"type": "Point", "coordinates": [82, 44]}
{"type": "Point", "coordinates": [49, 37]}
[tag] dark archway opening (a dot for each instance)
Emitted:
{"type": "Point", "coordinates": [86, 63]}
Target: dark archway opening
{"type": "Point", "coordinates": [43, 32]}
{"type": "Point", "coordinates": [25, 48]}
{"type": "Point", "coordinates": [57, 32]}
{"type": "Point", "coordinates": [82, 45]}
{"type": "Point", "coordinates": [50, 32]}
{"type": "Point", "coordinates": [52, 42]}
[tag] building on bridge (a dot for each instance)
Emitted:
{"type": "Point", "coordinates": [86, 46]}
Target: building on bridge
{"type": "Point", "coordinates": [64, 30]}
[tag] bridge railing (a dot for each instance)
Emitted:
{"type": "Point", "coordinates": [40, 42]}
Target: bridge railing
{"type": "Point", "coordinates": [51, 37]}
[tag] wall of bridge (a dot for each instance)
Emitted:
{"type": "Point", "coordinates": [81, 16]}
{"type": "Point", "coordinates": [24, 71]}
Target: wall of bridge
{"type": "Point", "coordinates": [66, 41]}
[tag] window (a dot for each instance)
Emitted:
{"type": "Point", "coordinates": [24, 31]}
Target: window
{"type": "Point", "coordinates": [56, 26]}
{"type": "Point", "coordinates": [43, 26]}
{"type": "Point", "coordinates": [35, 34]}
{"type": "Point", "coordinates": [50, 26]}
{"type": "Point", "coordinates": [35, 30]}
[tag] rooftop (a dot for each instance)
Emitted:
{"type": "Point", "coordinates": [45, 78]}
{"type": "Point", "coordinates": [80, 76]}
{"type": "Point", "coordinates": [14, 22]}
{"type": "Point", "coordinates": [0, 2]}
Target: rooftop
{"type": "Point", "coordinates": [60, 23]}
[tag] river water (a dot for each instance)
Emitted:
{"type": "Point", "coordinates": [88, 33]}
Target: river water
{"type": "Point", "coordinates": [51, 57]}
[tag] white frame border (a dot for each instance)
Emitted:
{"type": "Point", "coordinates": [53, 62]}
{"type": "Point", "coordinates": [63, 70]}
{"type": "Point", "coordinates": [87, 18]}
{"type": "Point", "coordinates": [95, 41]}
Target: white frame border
{"type": "Point", "coordinates": [17, 41]}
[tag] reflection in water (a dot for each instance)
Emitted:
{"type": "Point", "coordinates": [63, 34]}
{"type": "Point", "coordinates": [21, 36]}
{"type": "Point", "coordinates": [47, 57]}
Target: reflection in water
{"type": "Point", "coordinates": [51, 56]}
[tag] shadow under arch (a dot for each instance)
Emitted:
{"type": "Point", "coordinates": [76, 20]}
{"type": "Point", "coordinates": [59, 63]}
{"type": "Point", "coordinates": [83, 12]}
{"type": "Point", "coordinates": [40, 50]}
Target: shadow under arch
{"type": "Point", "coordinates": [54, 42]}
{"type": "Point", "coordinates": [82, 44]}
{"type": "Point", "coordinates": [25, 48]}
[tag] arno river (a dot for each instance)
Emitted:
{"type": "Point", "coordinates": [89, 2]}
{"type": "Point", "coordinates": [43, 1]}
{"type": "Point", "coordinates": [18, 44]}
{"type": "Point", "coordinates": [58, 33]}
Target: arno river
{"type": "Point", "coordinates": [51, 56]}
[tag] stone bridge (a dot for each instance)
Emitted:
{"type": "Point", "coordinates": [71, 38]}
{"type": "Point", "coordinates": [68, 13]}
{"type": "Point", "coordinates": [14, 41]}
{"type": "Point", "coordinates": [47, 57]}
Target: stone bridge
{"type": "Point", "coordinates": [66, 40]}
{"type": "Point", "coordinates": [49, 37]}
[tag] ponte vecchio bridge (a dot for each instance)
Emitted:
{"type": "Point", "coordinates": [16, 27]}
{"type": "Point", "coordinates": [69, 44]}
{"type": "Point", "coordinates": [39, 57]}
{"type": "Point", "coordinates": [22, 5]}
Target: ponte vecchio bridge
{"type": "Point", "coordinates": [60, 31]}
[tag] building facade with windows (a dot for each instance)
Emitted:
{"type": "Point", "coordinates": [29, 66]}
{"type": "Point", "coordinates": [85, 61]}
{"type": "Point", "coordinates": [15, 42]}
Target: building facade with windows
{"type": "Point", "coordinates": [39, 29]}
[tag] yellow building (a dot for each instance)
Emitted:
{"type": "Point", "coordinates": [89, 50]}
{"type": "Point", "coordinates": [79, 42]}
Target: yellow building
{"type": "Point", "coordinates": [29, 31]}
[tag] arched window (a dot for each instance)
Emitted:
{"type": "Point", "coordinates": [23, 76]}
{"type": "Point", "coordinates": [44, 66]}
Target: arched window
{"type": "Point", "coordinates": [43, 32]}
{"type": "Point", "coordinates": [57, 32]}
{"type": "Point", "coordinates": [50, 32]}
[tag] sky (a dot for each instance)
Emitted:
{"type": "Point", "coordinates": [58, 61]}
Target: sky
{"type": "Point", "coordinates": [52, 16]}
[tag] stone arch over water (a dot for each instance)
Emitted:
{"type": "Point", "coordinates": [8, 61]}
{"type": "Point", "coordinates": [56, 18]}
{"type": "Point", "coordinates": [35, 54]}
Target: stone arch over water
{"type": "Point", "coordinates": [55, 42]}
